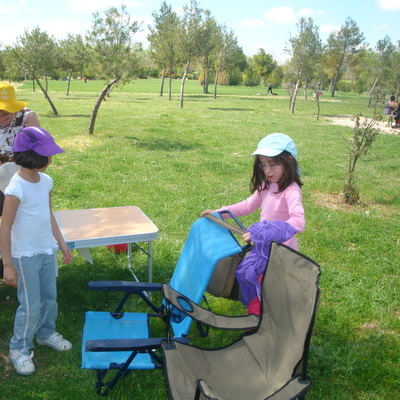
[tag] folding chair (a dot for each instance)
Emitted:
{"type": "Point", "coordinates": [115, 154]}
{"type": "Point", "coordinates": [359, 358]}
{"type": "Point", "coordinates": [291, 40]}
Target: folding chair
{"type": "Point", "coordinates": [110, 338]}
{"type": "Point", "coordinates": [269, 362]}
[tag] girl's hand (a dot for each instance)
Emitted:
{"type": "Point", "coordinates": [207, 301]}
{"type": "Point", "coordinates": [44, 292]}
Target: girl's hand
{"type": "Point", "coordinates": [207, 212]}
{"type": "Point", "coordinates": [66, 252]}
{"type": "Point", "coordinates": [10, 276]}
{"type": "Point", "coordinates": [246, 237]}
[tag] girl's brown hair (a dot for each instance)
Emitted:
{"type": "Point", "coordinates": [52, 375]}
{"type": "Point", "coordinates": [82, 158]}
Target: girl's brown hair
{"type": "Point", "coordinates": [290, 173]}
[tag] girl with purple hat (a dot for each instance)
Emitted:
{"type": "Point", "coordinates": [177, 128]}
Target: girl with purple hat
{"type": "Point", "coordinates": [276, 190]}
{"type": "Point", "coordinates": [27, 237]}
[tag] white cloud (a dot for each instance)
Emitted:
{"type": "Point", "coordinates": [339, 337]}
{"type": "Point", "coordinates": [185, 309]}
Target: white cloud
{"type": "Point", "coordinates": [286, 15]}
{"type": "Point", "coordinates": [282, 15]}
{"type": "Point", "coordinates": [59, 28]}
{"type": "Point", "coordinates": [389, 5]}
{"type": "Point", "coordinates": [308, 12]}
{"type": "Point", "coordinates": [384, 27]}
{"type": "Point", "coordinates": [98, 5]}
{"type": "Point", "coordinates": [328, 28]}
{"type": "Point", "coordinates": [251, 23]}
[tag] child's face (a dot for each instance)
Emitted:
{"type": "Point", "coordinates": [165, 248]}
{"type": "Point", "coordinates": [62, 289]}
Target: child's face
{"type": "Point", "coordinates": [272, 171]}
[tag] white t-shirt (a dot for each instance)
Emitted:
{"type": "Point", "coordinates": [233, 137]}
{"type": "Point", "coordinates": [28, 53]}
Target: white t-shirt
{"type": "Point", "coordinates": [31, 232]}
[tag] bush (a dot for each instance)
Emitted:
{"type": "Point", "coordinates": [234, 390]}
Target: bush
{"type": "Point", "coordinates": [250, 79]}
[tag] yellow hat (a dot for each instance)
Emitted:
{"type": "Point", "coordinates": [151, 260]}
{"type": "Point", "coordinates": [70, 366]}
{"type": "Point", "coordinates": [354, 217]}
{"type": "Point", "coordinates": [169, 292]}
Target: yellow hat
{"type": "Point", "coordinates": [8, 101]}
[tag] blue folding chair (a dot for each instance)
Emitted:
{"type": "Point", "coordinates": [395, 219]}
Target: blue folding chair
{"type": "Point", "coordinates": [110, 339]}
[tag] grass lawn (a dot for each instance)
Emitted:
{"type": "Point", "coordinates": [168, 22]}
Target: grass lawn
{"type": "Point", "coordinates": [173, 163]}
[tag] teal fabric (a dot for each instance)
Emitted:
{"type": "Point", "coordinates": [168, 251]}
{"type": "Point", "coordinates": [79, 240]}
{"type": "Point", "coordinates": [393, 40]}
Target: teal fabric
{"type": "Point", "coordinates": [206, 244]}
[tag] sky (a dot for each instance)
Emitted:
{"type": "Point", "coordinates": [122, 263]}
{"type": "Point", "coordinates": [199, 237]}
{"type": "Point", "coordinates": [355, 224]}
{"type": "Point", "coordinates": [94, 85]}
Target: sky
{"type": "Point", "coordinates": [266, 24]}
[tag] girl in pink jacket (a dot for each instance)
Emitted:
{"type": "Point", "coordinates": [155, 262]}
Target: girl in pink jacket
{"type": "Point", "coordinates": [276, 191]}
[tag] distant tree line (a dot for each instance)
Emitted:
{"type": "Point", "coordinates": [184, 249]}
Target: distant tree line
{"type": "Point", "coordinates": [195, 46]}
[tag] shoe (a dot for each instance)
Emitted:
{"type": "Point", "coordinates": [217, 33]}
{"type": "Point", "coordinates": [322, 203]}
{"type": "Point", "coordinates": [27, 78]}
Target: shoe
{"type": "Point", "coordinates": [23, 363]}
{"type": "Point", "coordinates": [56, 342]}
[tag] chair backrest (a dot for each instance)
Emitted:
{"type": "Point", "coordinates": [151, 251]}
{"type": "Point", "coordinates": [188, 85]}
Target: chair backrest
{"type": "Point", "coordinates": [289, 299]}
{"type": "Point", "coordinates": [206, 244]}
{"type": "Point", "coordinates": [7, 170]}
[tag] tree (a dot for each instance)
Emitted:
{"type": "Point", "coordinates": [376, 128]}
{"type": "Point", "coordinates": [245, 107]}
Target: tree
{"type": "Point", "coordinates": [364, 134]}
{"type": "Point", "coordinates": [36, 53]}
{"type": "Point", "coordinates": [110, 38]}
{"type": "Point", "coordinates": [74, 56]}
{"type": "Point", "coordinates": [163, 39]}
{"type": "Point", "coordinates": [342, 47]}
{"type": "Point", "coordinates": [305, 50]}
{"type": "Point", "coordinates": [209, 37]}
{"type": "Point", "coordinates": [229, 55]}
{"type": "Point", "coordinates": [189, 46]}
{"type": "Point", "coordinates": [262, 65]}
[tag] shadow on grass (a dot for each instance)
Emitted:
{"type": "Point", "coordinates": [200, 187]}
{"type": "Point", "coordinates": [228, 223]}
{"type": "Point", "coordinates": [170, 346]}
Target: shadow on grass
{"type": "Point", "coordinates": [66, 116]}
{"type": "Point", "coordinates": [161, 144]}
{"type": "Point", "coordinates": [230, 109]}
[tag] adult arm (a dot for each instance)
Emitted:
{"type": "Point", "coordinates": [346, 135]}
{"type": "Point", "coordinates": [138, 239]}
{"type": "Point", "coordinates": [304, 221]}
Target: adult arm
{"type": "Point", "coordinates": [32, 120]}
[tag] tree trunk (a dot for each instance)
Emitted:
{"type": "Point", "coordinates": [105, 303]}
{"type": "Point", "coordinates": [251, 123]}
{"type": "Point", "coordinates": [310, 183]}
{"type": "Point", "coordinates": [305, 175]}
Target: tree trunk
{"type": "Point", "coordinates": [183, 84]}
{"type": "Point", "coordinates": [333, 88]}
{"type": "Point", "coordinates": [170, 87]}
{"type": "Point", "coordinates": [292, 106]}
{"type": "Point", "coordinates": [206, 73]}
{"type": "Point", "coordinates": [330, 85]}
{"type": "Point", "coordinates": [216, 82]}
{"type": "Point", "coordinates": [317, 94]}
{"type": "Point", "coordinates": [55, 112]}
{"type": "Point", "coordinates": [336, 78]}
{"type": "Point", "coordinates": [162, 82]}
{"type": "Point", "coordinates": [372, 91]}
{"type": "Point", "coordinates": [305, 90]}
{"type": "Point", "coordinates": [102, 96]}
{"type": "Point", "coordinates": [69, 82]}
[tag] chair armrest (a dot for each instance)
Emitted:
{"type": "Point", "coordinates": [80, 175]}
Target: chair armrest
{"type": "Point", "coordinates": [122, 344]}
{"type": "Point", "coordinates": [206, 391]}
{"type": "Point", "coordinates": [139, 345]}
{"type": "Point", "coordinates": [294, 388]}
{"type": "Point", "coordinates": [124, 286]}
{"type": "Point", "coordinates": [207, 317]}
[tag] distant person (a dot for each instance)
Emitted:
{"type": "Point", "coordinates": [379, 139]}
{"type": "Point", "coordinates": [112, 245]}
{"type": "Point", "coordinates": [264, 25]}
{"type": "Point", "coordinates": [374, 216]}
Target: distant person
{"type": "Point", "coordinates": [276, 190]}
{"type": "Point", "coordinates": [84, 79]}
{"type": "Point", "coordinates": [14, 115]}
{"type": "Point", "coordinates": [270, 88]}
{"type": "Point", "coordinates": [392, 108]}
{"type": "Point", "coordinates": [28, 230]}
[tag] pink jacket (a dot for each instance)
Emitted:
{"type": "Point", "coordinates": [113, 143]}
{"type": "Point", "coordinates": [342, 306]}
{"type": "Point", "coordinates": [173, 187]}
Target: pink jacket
{"type": "Point", "coordinates": [285, 206]}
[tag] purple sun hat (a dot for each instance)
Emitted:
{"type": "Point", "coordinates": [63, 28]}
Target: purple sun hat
{"type": "Point", "coordinates": [36, 139]}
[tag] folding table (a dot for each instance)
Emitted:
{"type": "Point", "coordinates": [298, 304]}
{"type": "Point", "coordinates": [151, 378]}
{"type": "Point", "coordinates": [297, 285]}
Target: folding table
{"type": "Point", "coordinates": [83, 229]}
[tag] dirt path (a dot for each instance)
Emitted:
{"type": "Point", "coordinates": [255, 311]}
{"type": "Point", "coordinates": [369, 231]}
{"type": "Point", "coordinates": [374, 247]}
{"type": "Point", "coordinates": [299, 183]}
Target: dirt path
{"type": "Point", "coordinates": [349, 121]}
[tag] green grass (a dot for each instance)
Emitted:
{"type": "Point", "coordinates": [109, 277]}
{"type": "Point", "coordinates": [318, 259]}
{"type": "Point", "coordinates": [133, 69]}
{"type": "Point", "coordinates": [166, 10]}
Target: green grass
{"type": "Point", "coordinates": [173, 163]}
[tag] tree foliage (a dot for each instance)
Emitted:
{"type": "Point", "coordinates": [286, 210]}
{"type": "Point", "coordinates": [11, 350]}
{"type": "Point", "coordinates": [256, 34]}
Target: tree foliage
{"type": "Point", "coordinates": [342, 48]}
{"type": "Point", "coordinates": [163, 40]}
{"type": "Point", "coordinates": [262, 64]}
{"type": "Point", "coordinates": [305, 50]}
{"type": "Point", "coordinates": [113, 55]}
{"type": "Point", "coordinates": [36, 52]}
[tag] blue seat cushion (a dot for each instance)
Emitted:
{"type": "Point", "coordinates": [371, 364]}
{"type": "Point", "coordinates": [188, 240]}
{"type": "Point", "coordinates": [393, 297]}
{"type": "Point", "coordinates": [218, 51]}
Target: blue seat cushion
{"type": "Point", "coordinates": [102, 325]}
